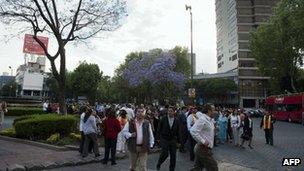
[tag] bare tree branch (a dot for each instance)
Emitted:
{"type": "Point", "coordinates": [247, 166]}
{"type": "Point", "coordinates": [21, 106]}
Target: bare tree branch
{"type": "Point", "coordinates": [74, 22]}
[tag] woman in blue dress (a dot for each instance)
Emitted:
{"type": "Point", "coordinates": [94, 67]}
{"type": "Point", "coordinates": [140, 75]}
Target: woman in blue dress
{"type": "Point", "coordinates": [223, 125]}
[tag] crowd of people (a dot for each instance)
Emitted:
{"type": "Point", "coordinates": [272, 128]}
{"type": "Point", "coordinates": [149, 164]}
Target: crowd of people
{"type": "Point", "coordinates": [138, 129]}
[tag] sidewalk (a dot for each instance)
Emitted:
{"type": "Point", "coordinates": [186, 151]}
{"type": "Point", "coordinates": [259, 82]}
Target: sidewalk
{"type": "Point", "coordinates": [19, 156]}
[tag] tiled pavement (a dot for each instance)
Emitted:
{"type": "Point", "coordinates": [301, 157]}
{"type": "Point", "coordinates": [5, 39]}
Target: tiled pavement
{"type": "Point", "coordinates": [288, 140]}
{"type": "Point", "coordinates": [288, 143]}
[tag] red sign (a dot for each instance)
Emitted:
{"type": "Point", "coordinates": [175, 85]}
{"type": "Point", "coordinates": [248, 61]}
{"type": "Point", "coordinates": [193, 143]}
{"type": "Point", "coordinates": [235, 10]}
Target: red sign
{"type": "Point", "coordinates": [31, 46]}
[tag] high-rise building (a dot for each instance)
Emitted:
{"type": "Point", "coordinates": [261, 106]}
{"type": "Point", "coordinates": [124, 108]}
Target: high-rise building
{"type": "Point", "coordinates": [234, 21]}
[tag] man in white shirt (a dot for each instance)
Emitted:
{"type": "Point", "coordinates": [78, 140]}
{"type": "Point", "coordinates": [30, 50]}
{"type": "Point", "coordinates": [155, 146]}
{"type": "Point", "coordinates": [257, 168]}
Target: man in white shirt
{"type": "Point", "coordinates": [191, 119]}
{"type": "Point", "coordinates": [140, 139]}
{"type": "Point", "coordinates": [203, 132]}
{"type": "Point", "coordinates": [129, 110]}
{"type": "Point", "coordinates": [45, 106]}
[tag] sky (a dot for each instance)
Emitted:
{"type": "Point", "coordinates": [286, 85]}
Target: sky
{"type": "Point", "coordinates": [150, 24]}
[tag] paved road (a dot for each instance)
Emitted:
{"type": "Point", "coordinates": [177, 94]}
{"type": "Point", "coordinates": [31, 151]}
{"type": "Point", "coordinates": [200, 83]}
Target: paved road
{"type": "Point", "coordinates": [288, 142]}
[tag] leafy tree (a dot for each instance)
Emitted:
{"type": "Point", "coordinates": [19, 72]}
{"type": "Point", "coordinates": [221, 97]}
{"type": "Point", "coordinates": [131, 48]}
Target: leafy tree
{"type": "Point", "coordinates": [153, 76]}
{"type": "Point", "coordinates": [214, 90]}
{"type": "Point", "coordinates": [278, 46]}
{"type": "Point", "coordinates": [85, 80]}
{"type": "Point", "coordinates": [182, 63]}
{"type": "Point", "coordinates": [9, 89]}
{"type": "Point", "coordinates": [66, 21]}
{"type": "Point", "coordinates": [53, 88]}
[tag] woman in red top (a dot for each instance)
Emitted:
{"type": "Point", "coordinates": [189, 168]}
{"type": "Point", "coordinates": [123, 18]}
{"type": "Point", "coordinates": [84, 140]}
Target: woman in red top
{"type": "Point", "coordinates": [121, 140]}
{"type": "Point", "coordinates": [111, 127]}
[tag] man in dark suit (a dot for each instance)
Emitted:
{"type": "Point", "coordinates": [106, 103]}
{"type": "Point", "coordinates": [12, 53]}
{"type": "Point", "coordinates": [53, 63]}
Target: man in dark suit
{"type": "Point", "coordinates": [182, 117]}
{"type": "Point", "coordinates": [168, 130]}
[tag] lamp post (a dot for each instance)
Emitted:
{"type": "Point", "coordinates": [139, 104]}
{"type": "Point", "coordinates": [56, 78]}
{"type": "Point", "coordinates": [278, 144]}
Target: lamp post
{"type": "Point", "coordinates": [11, 70]}
{"type": "Point", "coordinates": [189, 8]}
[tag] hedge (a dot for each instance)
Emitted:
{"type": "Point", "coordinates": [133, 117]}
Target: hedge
{"type": "Point", "coordinates": [39, 127]}
{"type": "Point", "coordinates": [10, 132]}
{"type": "Point", "coordinates": [18, 111]}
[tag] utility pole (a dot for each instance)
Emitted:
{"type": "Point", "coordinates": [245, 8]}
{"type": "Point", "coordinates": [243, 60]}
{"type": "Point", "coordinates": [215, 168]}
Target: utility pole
{"type": "Point", "coordinates": [189, 8]}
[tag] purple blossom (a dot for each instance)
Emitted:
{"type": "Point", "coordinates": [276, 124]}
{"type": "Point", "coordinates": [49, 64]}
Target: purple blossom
{"type": "Point", "coordinates": [155, 69]}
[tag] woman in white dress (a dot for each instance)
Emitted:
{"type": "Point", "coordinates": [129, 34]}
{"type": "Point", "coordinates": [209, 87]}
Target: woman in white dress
{"type": "Point", "coordinates": [235, 125]}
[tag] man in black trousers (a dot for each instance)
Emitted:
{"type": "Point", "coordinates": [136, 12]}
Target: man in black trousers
{"type": "Point", "coordinates": [168, 130]}
{"type": "Point", "coordinates": [267, 124]}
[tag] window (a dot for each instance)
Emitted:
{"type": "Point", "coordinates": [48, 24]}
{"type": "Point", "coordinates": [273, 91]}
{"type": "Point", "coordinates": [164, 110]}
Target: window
{"type": "Point", "coordinates": [220, 57]}
{"type": "Point", "coordinates": [234, 57]}
{"type": "Point", "coordinates": [293, 107]}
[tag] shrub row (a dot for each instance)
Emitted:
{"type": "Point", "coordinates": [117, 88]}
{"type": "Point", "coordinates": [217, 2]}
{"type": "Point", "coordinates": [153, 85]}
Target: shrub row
{"type": "Point", "coordinates": [10, 132]}
{"type": "Point", "coordinates": [38, 127]}
{"type": "Point", "coordinates": [23, 111]}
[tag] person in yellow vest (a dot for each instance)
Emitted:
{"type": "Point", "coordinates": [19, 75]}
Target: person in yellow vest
{"type": "Point", "coordinates": [267, 125]}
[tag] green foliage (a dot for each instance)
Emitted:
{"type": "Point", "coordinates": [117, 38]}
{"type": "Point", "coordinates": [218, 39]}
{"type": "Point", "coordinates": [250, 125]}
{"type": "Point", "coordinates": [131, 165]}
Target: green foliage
{"type": "Point", "coordinates": [10, 132]}
{"type": "Point", "coordinates": [56, 139]}
{"type": "Point", "coordinates": [43, 126]}
{"type": "Point", "coordinates": [53, 87]}
{"type": "Point", "coordinates": [9, 89]}
{"type": "Point", "coordinates": [214, 89]}
{"type": "Point", "coordinates": [18, 111]}
{"type": "Point", "coordinates": [278, 45]}
{"type": "Point", "coordinates": [85, 80]}
{"type": "Point", "coordinates": [74, 136]}
{"type": "Point", "coordinates": [21, 118]}
{"type": "Point", "coordinates": [182, 63]}
{"type": "Point", "coordinates": [53, 138]}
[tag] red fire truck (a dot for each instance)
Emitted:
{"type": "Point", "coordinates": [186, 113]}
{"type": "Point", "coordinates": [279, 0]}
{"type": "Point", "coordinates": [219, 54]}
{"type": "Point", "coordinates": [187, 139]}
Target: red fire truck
{"type": "Point", "coordinates": [287, 107]}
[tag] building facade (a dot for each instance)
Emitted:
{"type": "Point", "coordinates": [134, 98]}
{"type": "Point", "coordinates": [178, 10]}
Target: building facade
{"type": "Point", "coordinates": [232, 97]}
{"type": "Point", "coordinates": [5, 79]}
{"type": "Point", "coordinates": [30, 77]}
{"type": "Point", "coordinates": [235, 19]}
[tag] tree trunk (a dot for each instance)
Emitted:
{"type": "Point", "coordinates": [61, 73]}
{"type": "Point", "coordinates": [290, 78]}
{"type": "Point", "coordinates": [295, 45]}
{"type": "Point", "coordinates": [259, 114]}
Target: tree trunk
{"type": "Point", "coordinates": [61, 98]}
{"type": "Point", "coordinates": [292, 84]}
{"type": "Point", "coordinates": [61, 82]}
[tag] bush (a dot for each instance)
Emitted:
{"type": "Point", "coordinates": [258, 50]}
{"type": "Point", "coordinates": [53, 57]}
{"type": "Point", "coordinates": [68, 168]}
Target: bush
{"type": "Point", "coordinates": [76, 137]}
{"type": "Point", "coordinates": [53, 138]}
{"type": "Point", "coordinates": [10, 132]}
{"type": "Point", "coordinates": [43, 126]}
{"type": "Point", "coordinates": [18, 111]}
{"type": "Point", "coordinates": [22, 118]}
{"type": "Point", "coordinates": [65, 141]}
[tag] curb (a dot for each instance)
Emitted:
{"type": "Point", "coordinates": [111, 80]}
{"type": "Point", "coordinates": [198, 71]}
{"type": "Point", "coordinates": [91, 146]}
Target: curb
{"type": "Point", "coordinates": [75, 161]}
{"type": "Point", "coordinates": [33, 143]}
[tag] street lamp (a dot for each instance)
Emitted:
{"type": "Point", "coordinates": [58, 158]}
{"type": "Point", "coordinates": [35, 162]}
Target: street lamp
{"type": "Point", "coordinates": [189, 8]}
{"type": "Point", "coordinates": [11, 70]}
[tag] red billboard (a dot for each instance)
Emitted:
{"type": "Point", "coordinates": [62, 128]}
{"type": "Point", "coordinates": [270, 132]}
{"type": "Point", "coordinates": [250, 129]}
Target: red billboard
{"type": "Point", "coordinates": [31, 46]}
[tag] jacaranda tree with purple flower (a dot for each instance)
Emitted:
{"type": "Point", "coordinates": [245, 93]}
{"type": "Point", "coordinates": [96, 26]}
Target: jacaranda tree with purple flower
{"type": "Point", "coordinates": [154, 73]}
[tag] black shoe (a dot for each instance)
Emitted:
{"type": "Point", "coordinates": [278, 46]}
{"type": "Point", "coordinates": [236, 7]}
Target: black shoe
{"type": "Point", "coordinates": [97, 155]}
{"type": "Point", "coordinates": [158, 167]}
{"type": "Point", "coordinates": [266, 143]}
{"type": "Point", "coordinates": [271, 144]}
{"type": "Point", "coordinates": [250, 146]}
{"type": "Point", "coordinates": [242, 147]}
{"type": "Point", "coordinates": [113, 163]}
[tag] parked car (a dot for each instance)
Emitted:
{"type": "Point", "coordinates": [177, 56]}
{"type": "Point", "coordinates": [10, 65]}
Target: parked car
{"type": "Point", "coordinates": [254, 112]}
